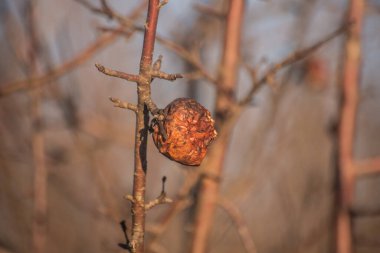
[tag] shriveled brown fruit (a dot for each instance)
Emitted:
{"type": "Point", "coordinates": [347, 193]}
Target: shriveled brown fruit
{"type": "Point", "coordinates": [189, 130]}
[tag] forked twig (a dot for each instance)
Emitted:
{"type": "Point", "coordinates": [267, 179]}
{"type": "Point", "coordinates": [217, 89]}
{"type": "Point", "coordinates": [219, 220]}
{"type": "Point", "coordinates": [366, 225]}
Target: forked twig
{"type": "Point", "coordinates": [161, 199]}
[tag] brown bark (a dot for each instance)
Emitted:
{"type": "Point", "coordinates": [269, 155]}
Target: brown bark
{"type": "Point", "coordinates": [33, 67]}
{"type": "Point", "coordinates": [147, 73]}
{"type": "Point", "coordinates": [351, 78]}
{"type": "Point", "coordinates": [209, 185]}
{"type": "Point", "coordinates": [40, 174]}
{"type": "Point", "coordinates": [142, 125]}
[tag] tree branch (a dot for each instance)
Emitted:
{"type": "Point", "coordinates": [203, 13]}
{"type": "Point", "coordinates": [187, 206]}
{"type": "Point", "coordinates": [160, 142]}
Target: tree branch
{"type": "Point", "coordinates": [163, 75]}
{"type": "Point", "coordinates": [144, 105]}
{"type": "Point", "coordinates": [181, 202]}
{"type": "Point", "coordinates": [182, 52]}
{"type": "Point", "coordinates": [125, 105]}
{"type": "Point", "coordinates": [292, 58]}
{"type": "Point", "coordinates": [225, 101]}
{"type": "Point", "coordinates": [161, 199]}
{"type": "Point", "coordinates": [40, 173]}
{"type": "Point", "coordinates": [346, 169]}
{"type": "Point", "coordinates": [116, 73]}
{"type": "Point", "coordinates": [142, 126]}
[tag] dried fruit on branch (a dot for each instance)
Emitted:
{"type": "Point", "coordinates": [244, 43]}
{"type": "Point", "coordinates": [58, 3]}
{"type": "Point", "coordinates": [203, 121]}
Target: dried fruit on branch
{"type": "Point", "coordinates": [189, 130]}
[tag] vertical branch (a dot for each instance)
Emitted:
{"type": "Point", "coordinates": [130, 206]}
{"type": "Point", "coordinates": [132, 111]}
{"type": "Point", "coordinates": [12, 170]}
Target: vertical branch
{"type": "Point", "coordinates": [209, 185]}
{"type": "Point", "coordinates": [144, 106]}
{"type": "Point", "coordinates": [38, 144]}
{"type": "Point", "coordinates": [40, 175]}
{"type": "Point", "coordinates": [351, 78]}
{"type": "Point", "coordinates": [142, 121]}
{"type": "Point", "coordinates": [225, 96]}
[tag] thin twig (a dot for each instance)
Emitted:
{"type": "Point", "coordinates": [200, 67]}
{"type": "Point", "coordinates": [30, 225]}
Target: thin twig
{"type": "Point", "coordinates": [116, 73]}
{"type": "Point", "coordinates": [292, 58]}
{"type": "Point", "coordinates": [156, 71]}
{"type": "Point", "coordinates": [106, 10]}
{"type": "Point", "coordinates": [240, 224]}
{"type": "Point", "coordinates": [166, 76]}
{"type": "Point", "coordinates": [36, 81]}
{"type": "Point", "coordinates": [181, 202]}
{"type": "Point", "coordinates": [181, 51]}
{"type": "Point", "coordinates": [160, 200]}
{"type": "Point", "coordinates": [40, 206]}
{"type": "Point", "coordinates": [187, 56]}
{"type": "Point", "coordinates": [125, 105]}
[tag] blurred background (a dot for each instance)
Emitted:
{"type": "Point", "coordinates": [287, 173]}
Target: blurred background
{"type": "Point", "coordinates": [280, 166]}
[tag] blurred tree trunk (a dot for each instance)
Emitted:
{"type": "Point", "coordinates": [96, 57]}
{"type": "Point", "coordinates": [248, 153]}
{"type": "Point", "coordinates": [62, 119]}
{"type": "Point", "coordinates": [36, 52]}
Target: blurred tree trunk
{"type": "Point", "coordinates": [33, 67]}
{"type": "Point", "coordinates": [225, 100]}
{"type": "Point", "coordinates": [351, 79]}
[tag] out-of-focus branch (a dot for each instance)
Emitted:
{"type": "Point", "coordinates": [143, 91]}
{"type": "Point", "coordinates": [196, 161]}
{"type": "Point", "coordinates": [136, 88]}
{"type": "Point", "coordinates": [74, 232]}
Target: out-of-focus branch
{"type": "Point", "coordinates": [225, 101]}
{"type": "Point", "coordinates": [190, 57]}
{"type": "Point", "coordinates": [346, 168]}
{"type": "Point", "coordinates": [181, 51]}
{"type": "Point", "coordinates": [106, 10]}
{"type": "Point", "coordinates": [240, 224]}
{"type": "Point", "coordinates": [367, 167]}
{"type": "Point", "coordinates": [38, 80]}
{"type": "Point", "coordinates": [65, 68]}
{"type": "Point", "coordinates": [127, 24]}
{"type": "Point", "coordinates": [210, 11]}
{"type": "Point", "coordinates": [33, 67]}
{"type": "Point", "coordinates": [292, 58]}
